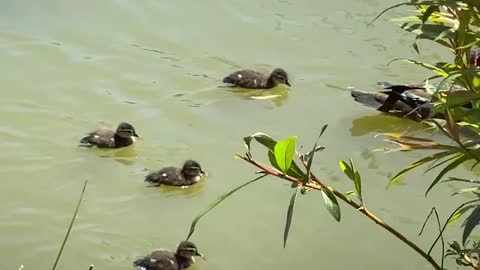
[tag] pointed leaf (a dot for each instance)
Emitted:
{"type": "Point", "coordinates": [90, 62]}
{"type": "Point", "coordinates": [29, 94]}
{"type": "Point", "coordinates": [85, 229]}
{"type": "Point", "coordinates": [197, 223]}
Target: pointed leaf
{"type": "Point", "coordinates": [218, 201]}
{"type": "Point", "coordinates": [418, 163]}
{"type": "Point", "coordinates": [467, 190]}
{"type": "Point", "coordinates": [312, 153]}
{"type": "Point", "coordinates": [284, 151]}
{"type": "Point", "coordinates": [471, 222]}
{"type": "Point", "coordinates": [428, 12]}
{"type": "Point", "coordinates": [358, 184]}
{"type": "Point", "coordinates": [331, 203]}
{"type": "Point", "coordinates": [347, 170]}
{"type": "Point", "coordinates": [461, 158]}
{"type": "Point", "coordinates": [350, 192]}
{"type": "Point", "coordinates": [269, 142]}
{"type": "Point", "coordinates": [294, 170]}
{"type": "Point", "coordinates": [289, 216]}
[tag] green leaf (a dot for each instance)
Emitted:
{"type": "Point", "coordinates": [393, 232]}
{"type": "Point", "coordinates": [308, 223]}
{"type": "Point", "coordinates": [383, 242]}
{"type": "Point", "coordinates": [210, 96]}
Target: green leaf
{"type": "Point", "coordinates": [331, 203]}
{"type": "Point", "coordinates": [428, 66]}
{"type": "Point", "coordinates": [358, 184]}
{"type": "Point", "coordinates": [218, 201]}
{"type": "Point", "coordinates": [459, 160]}
{"type": "Point", "coordinates": [270, 143]}
{"type": "Point", "coordinates": [419, 163]}
{"type": "Point", "coordinates": [310, 155]}
{"type": "Point", "coordinates": [467, 190]}
{"type": "Point", "coordinates": [386, 10]}
{"type": "Point", "coordinates": [429, 31]}
{"type": "Point", "coordinates": [350, 192]}
{"type": "Point", "coordinates": [459, 213]}
{"type": "Point", "coordinates": [428, 12]}
{"type": "Point", "coordinates": [471, 222]}
{"type": "Point", "coordinates": [347, 170]}
{"type": "Point", "coordinates": [289, 216]}
{"type": "Point", "coordinates": [284, 151]}
{"type": "Point", "coordinates": [354, 175]}
{"type": "Point", "coordinates": [261, 138]}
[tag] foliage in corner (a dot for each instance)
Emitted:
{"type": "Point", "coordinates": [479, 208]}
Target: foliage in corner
{"type": "Point", "coordinates": [455, 26]}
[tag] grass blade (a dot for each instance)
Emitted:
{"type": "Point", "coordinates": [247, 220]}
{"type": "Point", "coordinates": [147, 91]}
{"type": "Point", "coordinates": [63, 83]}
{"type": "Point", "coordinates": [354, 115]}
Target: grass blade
{"type": "Point", "coordinates": [458, 213]}
{"type": "Point", "coordinates": [218, 201]}
{"type": "Point", "coordinates": [70, 226]}
{"type": "Point", "coordinates": [459, 160]}
{"type": "Point", "coordinates": [418, 163]}
{"type": "Point", "coordinates": [289, 216]}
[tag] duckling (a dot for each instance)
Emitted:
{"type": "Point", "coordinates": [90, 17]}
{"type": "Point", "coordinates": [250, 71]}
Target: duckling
{"type": "Point", "coordinates": [105, 138]}
{"type": "Point", "coordinates": [166, 260]}
{"type": "Point", "coordinates": [189, 174]}
{"type": "Point", "coordinates": [256, 80]}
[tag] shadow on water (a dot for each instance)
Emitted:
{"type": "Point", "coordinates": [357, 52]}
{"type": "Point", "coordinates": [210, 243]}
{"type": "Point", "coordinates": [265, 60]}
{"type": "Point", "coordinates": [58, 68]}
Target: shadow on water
{"type": "Point", "coordinates": [383, 123]}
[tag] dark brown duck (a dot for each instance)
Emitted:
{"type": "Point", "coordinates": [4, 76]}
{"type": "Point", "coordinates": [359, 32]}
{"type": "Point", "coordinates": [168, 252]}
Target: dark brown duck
{"type": "Point", "coordinates": [255, 80]}
{"type": "Point", "coordinates": [163, 259]}
{"type": "Point", "coordinates": [189, 174]}
{"type": "Point", "coordinates": [105, 138]}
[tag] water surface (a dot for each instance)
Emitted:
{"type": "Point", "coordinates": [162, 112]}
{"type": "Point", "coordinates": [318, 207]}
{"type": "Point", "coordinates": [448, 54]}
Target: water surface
{"type": "Point", "coordinates": [69, 67]}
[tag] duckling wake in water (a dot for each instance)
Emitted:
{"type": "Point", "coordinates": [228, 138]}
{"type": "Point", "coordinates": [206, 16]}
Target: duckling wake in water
{"type": "Point", "coordinates": [189, 174]}
{"type": "Point", "coordinates": [162, 259]}
{"type": "Point", "coordinates": [255, 80]}
{"type": "Point", "coordinates": [106, 138]}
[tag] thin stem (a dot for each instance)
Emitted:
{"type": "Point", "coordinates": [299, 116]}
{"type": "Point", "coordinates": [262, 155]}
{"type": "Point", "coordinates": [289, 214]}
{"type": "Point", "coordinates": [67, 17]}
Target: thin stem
{"type": "Point", "coordinates": [70, 227]}
{"type": "Point", "coordinates": [318, 185]}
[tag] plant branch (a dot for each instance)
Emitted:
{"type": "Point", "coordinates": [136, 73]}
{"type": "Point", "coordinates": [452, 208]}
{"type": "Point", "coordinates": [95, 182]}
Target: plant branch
{"type": "Point", "coordinates": [314, 183]}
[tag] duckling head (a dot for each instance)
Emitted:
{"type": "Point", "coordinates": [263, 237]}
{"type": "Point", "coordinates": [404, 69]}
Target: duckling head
{"type": "Point", "coordinates": [191, 169]}
{"type": "Point", "coordinates": [126, 130]}
{"type": "Point", "coordinates": [280, 76]}
{"type": "Point", "coordinates": [188, 249]}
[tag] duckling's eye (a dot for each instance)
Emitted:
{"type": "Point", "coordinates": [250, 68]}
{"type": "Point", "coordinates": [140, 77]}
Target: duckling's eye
{"type": "Point", "coordinates": [129, 131]}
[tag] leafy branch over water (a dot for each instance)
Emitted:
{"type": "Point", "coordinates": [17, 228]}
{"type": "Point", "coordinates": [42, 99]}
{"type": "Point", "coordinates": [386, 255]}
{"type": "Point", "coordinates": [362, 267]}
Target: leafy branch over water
{"type": "Point", "coordinates": [281, 155]}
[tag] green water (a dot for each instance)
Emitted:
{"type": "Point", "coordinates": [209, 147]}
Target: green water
{"type": "Point", "coordinates": [69, 67]}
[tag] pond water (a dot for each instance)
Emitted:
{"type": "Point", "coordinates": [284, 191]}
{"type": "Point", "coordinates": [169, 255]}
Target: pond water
{"type": "Point", "coordinates": [69, 67]}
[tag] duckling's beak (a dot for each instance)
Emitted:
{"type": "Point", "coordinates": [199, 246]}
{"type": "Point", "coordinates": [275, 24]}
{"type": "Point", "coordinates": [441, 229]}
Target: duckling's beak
{"type": "Point", "coordinates": [201, 255]}
{"type": "Point", "coordinates": [203, 172]}
{"type": "Point", "coordinates": [288, 83]}
{"type": "Point", "coordinates": [138, 136]}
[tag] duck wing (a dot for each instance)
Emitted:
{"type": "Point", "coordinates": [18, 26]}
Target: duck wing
{"type": "Point", "coordinates": [100, 138]}
{"type": "Point", "coordinates": [377, 100]}
{"type": "Point", "coordinates": [247, 79]}
{"type": "Point", "coordinates": [166, 176]}
{"type": "Point", "coordinates": [157, 260]}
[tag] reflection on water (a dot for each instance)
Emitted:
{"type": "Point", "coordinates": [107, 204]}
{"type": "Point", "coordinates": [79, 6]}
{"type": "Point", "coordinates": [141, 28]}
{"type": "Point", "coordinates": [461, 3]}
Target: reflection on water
{"type": "Point", "coordinates": [187, 191]}
{"type": "Point", "coordinates": [277, 95]}
{"type": "Point", "coordinates": [384, 123]}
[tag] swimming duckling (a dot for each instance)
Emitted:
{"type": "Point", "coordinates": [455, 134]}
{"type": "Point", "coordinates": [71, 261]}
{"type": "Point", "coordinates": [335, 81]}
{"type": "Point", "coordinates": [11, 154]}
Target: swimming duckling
{"type": "Point", "coordinates": [256, 80]}
{"type": "Point", "coordinates": [105, 138]}
{"type": "Point", "coordinates": [166, 260]}
{"type": "Point", "coordinates": [189, 174]}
